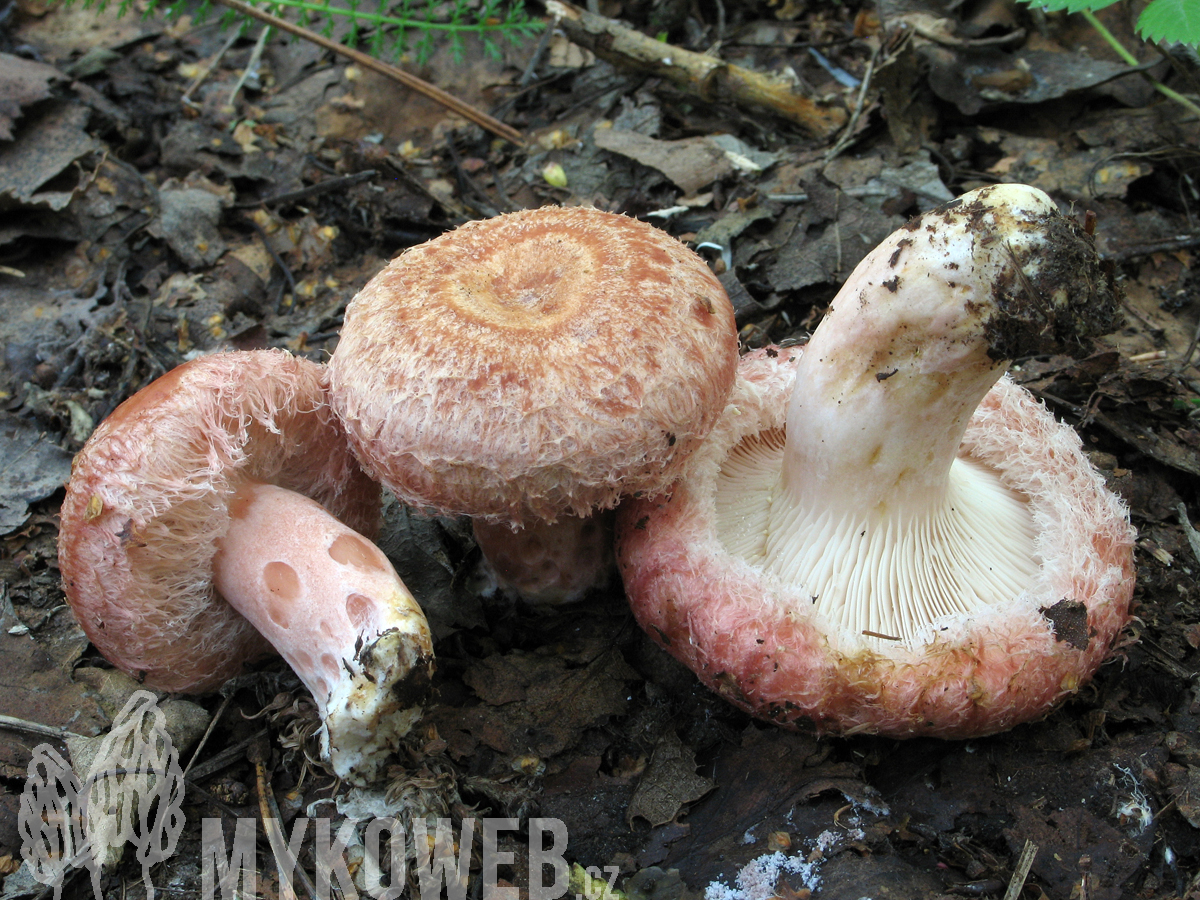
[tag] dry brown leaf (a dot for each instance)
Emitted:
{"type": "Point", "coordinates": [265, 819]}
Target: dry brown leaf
{"type": "Point", "coordinates": [669, 783]}
{"type": "Point", "coordinates": [25, 81]}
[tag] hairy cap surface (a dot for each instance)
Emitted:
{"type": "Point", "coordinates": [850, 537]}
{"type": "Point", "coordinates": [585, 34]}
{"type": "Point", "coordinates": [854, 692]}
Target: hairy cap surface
{"type": "Point", "coordinates": [148, 503]}
{"type": "Point", "coordinates": [535, 364]}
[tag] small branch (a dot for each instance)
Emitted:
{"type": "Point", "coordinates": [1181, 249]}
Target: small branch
{"type": "Point", "coordinates": [535, 59]}
{"type": "Point", "coordinates": [1193, 537]}
{"type": "Point", "coordinates": [268, 809]}
{"type": "Point", "coordinates": [847, 137]}
{"type": "Point", "coordinates": [468, 112]}
{"type": "Point", "coordinates": [705, 76]}
{"type": "Point", "coordinates": [208, 69]}
{"type": "Point", "coordinates": [1016, 36]}
{"type": "Point", "coordinates": [336, 183]}
{"type": "Point", "coordinates": [34, 728]}
{"type": "Point", "coordinates": [251, 65]}
{"type": "Point", "coordinates": [1166, 245]}
{"type": "Point", "coordinates": [212, 723]}
{"type": "Point", "coordinates": [1024, 863]}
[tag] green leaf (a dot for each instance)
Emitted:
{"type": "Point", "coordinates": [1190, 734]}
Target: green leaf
{"type": "Point", "coordinates": [1176, 21]}
{"type": "Point", "coordinates": [1071, 6]}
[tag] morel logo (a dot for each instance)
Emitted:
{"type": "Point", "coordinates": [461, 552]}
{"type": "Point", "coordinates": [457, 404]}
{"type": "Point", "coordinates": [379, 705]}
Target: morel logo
{"type": "Point", "coordinates": [132, 794]}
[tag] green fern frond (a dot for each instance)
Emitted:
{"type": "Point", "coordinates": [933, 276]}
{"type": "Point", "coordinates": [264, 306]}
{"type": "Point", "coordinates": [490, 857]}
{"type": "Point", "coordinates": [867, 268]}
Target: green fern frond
{"type": "Point", "coordinates": [386, 28]}
{"type": "Point", "coordinates": [392, 25]}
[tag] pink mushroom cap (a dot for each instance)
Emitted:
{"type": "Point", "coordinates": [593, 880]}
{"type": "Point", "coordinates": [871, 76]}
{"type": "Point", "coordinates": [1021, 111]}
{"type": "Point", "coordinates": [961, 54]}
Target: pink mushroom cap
{"type": "Point", "coordinates": [862, 399]}
{"type": "Point", "coordinates": [747, 635]}
{"type": "Point", "coordinates": [147, 506]}
{"type": "Point", "coordinates": [209, 520]}
{"type": "Point", "coordinates": [534, 365]}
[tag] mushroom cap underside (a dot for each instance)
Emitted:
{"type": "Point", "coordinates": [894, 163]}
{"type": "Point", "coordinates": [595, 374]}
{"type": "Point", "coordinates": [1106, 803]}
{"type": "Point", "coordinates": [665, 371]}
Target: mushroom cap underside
{"type": "Point", "coordinates": [146, 507]}
{"type": "Point", "coordinates": [536, 364]}
{"type": "Point", "coordinates": [757, 641]}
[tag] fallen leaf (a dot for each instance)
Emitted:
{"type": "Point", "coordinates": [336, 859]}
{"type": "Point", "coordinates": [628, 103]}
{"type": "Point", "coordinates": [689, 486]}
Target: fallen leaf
{"type": "Point", "coordinates": [669, 783]}
{"type": "Point", "coordinates": [1042, 163]}
{"type": "Point", "coordinates": [1185, 791]}
{"type": "Point", "coordinates": [25, 81]}
{"type": "Point", "coordinates": [187, 221]}
{"type": "Point", "coordinates": [539, 704]}
{"type": "Point", "coordinates": [827, 238]}
{"type": "Point", "coordinates": [1064, 837]}
{"type": "Point", "coordinates": [690, 163]}
{"type": "Point", "coordinates": [32, 467]}
{"type": "Point", "coordinates": [34, 688]}
{"type": "Point", "coordinates": [44, 147]}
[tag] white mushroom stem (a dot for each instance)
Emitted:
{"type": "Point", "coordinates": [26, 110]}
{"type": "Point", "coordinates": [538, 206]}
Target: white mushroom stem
{"type": "Point", "coordinates": [332, 605]}
{"type": "Point", "coordinates": [873, 512]}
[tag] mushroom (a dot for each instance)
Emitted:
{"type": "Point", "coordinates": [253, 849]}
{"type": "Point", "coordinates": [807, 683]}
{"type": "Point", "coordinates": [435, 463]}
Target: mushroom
{"type": "Point", "coordinates": [531, 368]}
{"type": "Point", "coordinates": [882, 534]}
{"type": "Point", "coordinates": [219, 513]}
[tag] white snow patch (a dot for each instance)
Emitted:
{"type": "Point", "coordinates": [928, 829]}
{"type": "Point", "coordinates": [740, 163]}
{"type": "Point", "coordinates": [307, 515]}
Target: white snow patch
{"type": "Point", "coordinates": [757, 879]}
{"type": "Point", "coordinates": [828, 841]}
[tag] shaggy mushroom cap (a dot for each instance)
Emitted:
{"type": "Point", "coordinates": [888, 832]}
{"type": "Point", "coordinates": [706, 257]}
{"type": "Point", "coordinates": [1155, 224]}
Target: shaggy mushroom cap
{"type": "Point", "coordinates": [882, 536]}
{"type": "Point", "coordinates": [219, 514]}
{"type": "Point", "coordinates": [534, 365]}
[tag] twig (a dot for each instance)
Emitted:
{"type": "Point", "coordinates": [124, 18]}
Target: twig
{"type": "Point", "coordinates": [251, 64]}
{"type": "Point", "coordinates": [269, 810]}
{"type": "Point", "coordinates": [1016, 36]}
{"type": "Point", "coordinates": [1154, 328]}
{"type": "Point", "coordinates": [34, 728]}
{"type": "Point", "coordinates": [847, 137]}
{"type": "Point", "coordinates": [436, 94]}
{"type": "Point", "coordinates": [329, 184]}
{"type": "Point", "coordinates": [498, 181]}
{"type": "Point", "coordinates": [226, 757]}
{"type": "Point", "coordinates": [1186, 359]}
{"type": "Point", "coordinates": [535, 59]}
{"type": "Point", "coordinates": [207, 732]}
{"type": "Point", "coordinates": [278, 260]}
{"type": "Point", "coordinates": [864, 190]}
{"type": "Point", "coordinates": [837, 230]}
{"type": "Point", "coordinates": [1166, 245]}
{"type": "Point", "coordinates": [1148, 357]}
{"type": "Point", "coordinates": [706, 76]}
{"type": "Point", "coordinates": [467, 184]}
{"type": "Point", "coordinates": [208, 69]}
{"type": "Point", "coordinates": [1193, 537]}
{"type": "Point", "coordinates": [1024, 863]}
{"type": "Point", "coordinates": [195, 791]}
{"type": "Point", "coordinates": [720, 21]}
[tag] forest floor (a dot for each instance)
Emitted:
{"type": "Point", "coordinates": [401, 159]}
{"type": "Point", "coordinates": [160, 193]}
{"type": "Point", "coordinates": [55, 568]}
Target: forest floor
{"type": "Point", "coordinates": [169, 190]}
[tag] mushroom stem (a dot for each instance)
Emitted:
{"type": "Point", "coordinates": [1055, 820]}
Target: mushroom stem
{"type": "Point", "coordinates": [548, 563]}
{"type": "Point", "coordinates": [870, 466]}
{"type": "Point", "coordinates": [884, 405]}
{"type": "Point", "coordinates": [906, 354]}
{"type": "Point", "coordinates": [330, 602]}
